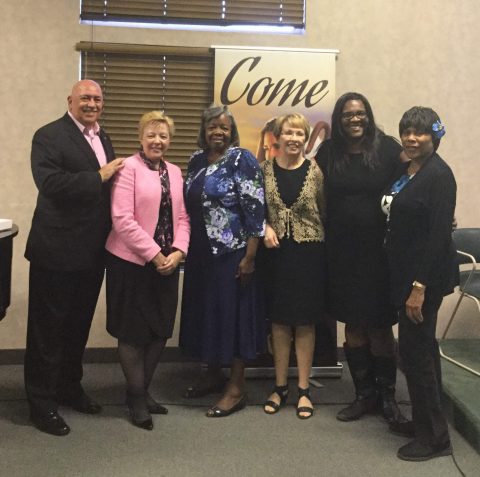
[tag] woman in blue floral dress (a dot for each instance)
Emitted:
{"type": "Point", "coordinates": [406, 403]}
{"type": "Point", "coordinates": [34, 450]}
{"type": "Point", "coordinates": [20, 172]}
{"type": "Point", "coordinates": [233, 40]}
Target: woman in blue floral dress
{"type": "Point", "coordinates": [225, 200]}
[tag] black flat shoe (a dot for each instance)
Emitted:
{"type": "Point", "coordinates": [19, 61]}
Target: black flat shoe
{"type": "Point", "coordinates": [139, 414]}
{"type": "Point", "coordinates": [403, 429]}
{"type": "Point", "coordinates": [82, 403]}
{"type": "Point", "coordinates": [416, 451]}
{"type": "Point", "coordinates": [51, 423]}
{"type": "Point", "coordinates": [154, 407]}
{"type": "Point", "coordinates": [146, 424]}
{"type": "Point", "coordinates": [215, 411]}
{"type": "Point", "coordinates": [282, 392]}
{"type": "Point", "coordinates": [306, 409]}
{"type": "Point", "coordinates": [200, 391]}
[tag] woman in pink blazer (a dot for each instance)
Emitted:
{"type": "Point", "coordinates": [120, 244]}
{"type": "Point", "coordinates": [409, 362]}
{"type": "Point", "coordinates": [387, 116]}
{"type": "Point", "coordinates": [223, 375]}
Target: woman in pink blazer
{"type": "Point", "coordinates": [149, 238]}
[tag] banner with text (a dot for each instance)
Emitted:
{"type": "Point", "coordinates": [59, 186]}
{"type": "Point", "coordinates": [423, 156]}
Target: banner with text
{"type": "Point", "coordinates": [258, 85]}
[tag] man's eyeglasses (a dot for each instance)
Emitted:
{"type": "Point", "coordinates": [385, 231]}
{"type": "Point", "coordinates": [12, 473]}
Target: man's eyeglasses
{"type": "Point", "coordinates": [351, 114]}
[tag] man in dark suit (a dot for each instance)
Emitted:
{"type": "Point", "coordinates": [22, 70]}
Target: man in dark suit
{"type": "Point", "coordinates": [72, 163]}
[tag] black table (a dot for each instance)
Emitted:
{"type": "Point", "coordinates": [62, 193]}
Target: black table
{"type": "Point", "coordinates": [6, 247]}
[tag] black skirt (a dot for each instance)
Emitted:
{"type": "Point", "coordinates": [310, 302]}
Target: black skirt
{"type": "Point", "coordinates": [294, 281]}
{"type": "Point", "coordinates": [141, 303]}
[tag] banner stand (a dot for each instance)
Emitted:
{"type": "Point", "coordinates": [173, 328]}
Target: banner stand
{"type": "Point", "coordinates": [317, 372]}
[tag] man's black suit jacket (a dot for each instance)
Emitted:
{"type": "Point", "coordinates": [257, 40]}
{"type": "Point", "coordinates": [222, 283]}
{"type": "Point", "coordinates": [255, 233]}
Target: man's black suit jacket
{"type": "Point", "coordinates": [72, 216]}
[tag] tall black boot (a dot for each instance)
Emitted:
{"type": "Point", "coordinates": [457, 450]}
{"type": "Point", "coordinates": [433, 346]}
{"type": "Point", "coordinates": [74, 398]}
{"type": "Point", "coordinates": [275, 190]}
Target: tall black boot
{"type": "Point", "coordinates": [385, 369]}
{"type": "Point", "coordinates": [361, 368]}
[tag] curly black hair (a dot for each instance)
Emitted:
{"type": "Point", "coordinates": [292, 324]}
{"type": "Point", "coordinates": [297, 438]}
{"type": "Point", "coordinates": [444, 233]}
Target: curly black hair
{"type": "Point", "coordinates": [212, 112]}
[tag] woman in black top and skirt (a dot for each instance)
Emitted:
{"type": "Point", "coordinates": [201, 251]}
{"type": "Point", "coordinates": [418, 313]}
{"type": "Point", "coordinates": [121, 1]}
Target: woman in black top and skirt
{"type": "Point", "coordinates": [358, 162]}
{"type": "Point", "coordinates": [294, 259]}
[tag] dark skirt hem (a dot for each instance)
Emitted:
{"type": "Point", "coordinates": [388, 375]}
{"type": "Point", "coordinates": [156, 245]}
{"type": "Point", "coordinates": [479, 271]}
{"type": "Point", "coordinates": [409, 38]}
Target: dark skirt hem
{"type": "Point", "coordinates": [141, 304]}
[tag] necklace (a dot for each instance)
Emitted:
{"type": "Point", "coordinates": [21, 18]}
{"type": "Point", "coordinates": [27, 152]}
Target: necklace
{"type": "Point", "coordinates": [400, 184]}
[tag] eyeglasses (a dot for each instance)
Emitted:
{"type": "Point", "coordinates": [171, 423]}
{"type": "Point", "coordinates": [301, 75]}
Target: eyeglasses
{"type": "Point", "coordinates": [351, 114]}
{"type": "Point", "coordinates": [290, 133]}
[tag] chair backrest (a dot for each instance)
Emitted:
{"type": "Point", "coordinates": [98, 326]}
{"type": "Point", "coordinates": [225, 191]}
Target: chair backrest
{"type": "Point", "coordinates": [467, 240]}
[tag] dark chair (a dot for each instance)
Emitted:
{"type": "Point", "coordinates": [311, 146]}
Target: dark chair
{"type": "Point", "coordinates": [467, 243]}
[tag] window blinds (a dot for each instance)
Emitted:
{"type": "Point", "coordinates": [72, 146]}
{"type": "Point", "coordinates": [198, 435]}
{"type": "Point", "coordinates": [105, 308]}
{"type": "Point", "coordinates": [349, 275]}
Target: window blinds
{"type": "Point", "coordinates": [209, 12]}
{"type": "Point", "coordinates": [138, 78]}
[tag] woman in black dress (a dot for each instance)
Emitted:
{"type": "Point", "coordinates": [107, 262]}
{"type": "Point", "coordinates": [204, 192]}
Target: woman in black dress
{"type": "Point", "coordinates": [294, 259]}
{"type": "Point", "coordinates": [358, 162]}
{"type": "Point", "coordinates": [420, 205]}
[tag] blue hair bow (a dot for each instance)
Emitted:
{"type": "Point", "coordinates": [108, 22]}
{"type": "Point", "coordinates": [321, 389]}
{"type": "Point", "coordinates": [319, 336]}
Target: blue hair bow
{"type": "Point", "coordinates": [438, 129]}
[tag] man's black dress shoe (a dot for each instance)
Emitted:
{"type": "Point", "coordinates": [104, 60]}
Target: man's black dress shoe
{"type": "Point", "coordinates": [82, 403]}
{"type": "Point", "coordinates": [51, 423]}
{"type": "Point", "coordinates": [416, 451]}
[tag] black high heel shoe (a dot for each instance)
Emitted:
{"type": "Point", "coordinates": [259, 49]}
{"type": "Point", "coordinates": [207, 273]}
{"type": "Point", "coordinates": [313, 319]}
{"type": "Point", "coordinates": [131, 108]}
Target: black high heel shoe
{"type": "Point", "coordinates": [305, 409]}
{"type": "Point", "coordinates": [153, 406]}
{"type": "Point", "coordinates": [282, 392]}
{"type": "Point", "coordinates": [215, 411]}
{"type": "Point", "coordinates": [137, 406]}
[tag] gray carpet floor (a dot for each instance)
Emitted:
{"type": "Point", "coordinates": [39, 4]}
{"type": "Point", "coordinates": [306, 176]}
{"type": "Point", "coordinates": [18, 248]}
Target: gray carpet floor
{"type": "Point", "coordinates": [186, 443]}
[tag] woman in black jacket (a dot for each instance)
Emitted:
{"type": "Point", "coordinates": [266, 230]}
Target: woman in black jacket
{"type": "Point", "coordinates": [420, 206]}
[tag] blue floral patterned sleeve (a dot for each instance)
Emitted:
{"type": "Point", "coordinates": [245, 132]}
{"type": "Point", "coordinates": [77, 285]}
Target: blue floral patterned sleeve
{"type": "Point", "coordinates": [248, 178]}
{"type": "Point", "coordinates": [232, 200]}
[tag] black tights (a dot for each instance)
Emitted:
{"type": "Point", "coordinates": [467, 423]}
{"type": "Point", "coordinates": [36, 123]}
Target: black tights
{"type": "Point", "coordinates": [139, 363]}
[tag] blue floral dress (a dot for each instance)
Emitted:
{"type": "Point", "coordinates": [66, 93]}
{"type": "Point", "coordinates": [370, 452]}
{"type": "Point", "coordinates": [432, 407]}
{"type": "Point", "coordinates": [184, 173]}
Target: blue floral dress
{"type": "Point", "coordinates": [220, 318]}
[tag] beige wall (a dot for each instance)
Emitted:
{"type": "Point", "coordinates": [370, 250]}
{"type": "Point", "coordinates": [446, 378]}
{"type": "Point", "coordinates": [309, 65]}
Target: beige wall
{"type": "Point", "coordinates": [398, 53]}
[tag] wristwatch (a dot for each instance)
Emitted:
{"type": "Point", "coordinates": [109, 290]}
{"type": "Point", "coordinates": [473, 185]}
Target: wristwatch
{"type": "Point", "coordinates": [419, 285]}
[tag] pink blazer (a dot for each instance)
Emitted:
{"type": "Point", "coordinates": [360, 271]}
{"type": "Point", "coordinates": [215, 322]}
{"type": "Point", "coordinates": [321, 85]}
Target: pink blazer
{"type": "Point", "coordinates": [136, 194]}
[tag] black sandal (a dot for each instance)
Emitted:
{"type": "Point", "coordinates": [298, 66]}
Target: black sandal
{"type": "Point", "coordinates": [304, 393]}
{"type": "Point", "coordinates": [282, 392]}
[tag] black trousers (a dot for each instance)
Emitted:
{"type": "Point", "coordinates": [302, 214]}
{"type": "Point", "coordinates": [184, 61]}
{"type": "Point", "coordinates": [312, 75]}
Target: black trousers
{"type": "Point", "coordinates": [60, 311]}
{"type": "Point", "coordinates": [419, 352]}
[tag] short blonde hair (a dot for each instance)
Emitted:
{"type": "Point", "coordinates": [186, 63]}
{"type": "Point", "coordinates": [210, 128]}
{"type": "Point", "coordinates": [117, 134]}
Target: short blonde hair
{"type": "Point", "coordinates": [155, 117]}
{"type": "Point", "coordinates": [295, 120]}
